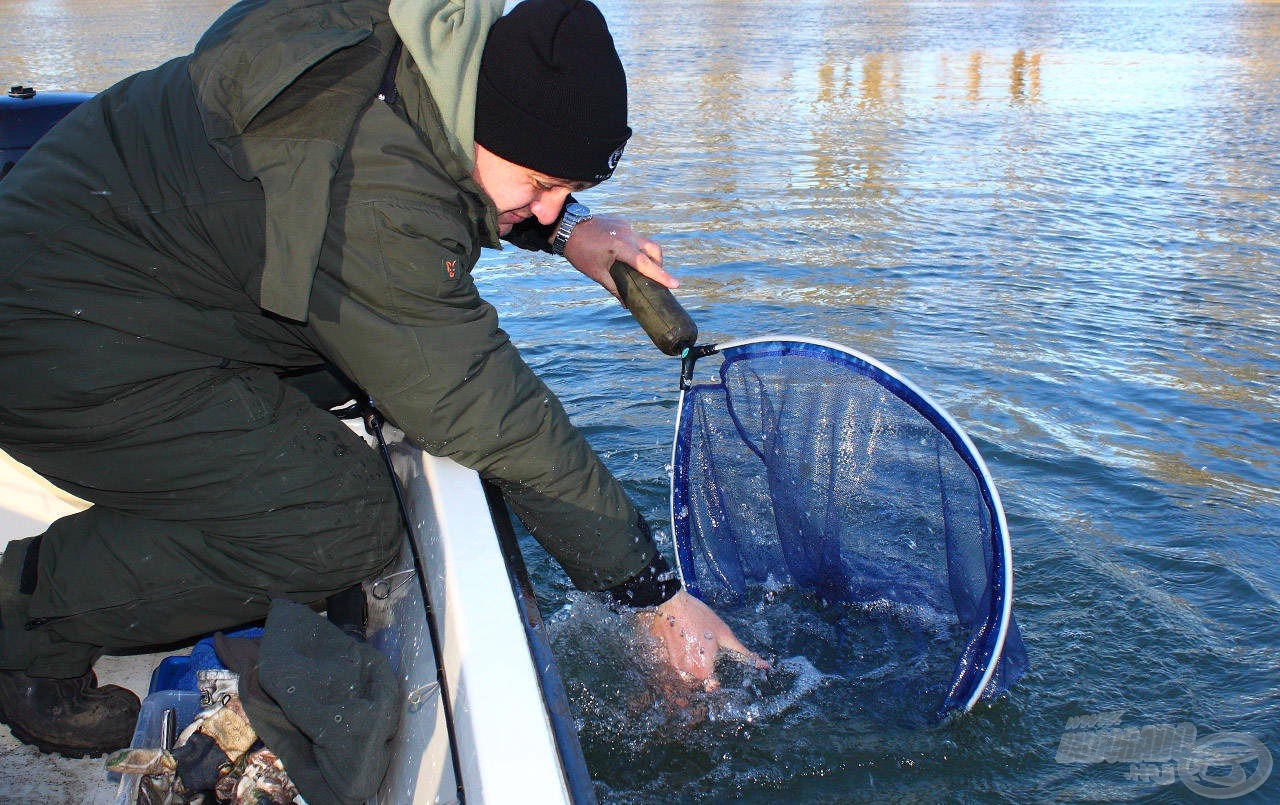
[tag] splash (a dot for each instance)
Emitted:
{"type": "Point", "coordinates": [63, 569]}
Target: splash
{"type": "Point", "coordinates": [784, 687]}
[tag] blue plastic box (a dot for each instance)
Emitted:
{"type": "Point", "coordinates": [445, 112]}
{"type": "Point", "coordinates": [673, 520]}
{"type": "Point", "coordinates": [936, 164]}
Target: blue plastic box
{"type": "Point", "coordinates": [185, 703]}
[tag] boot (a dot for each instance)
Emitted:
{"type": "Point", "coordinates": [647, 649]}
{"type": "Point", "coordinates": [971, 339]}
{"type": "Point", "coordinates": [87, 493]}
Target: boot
{"type": "Point", "coordinates": [73, 717]}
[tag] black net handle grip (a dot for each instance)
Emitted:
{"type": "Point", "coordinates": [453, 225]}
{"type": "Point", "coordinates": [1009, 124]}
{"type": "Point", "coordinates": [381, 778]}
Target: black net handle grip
{"type": "Point", "coordinates": [653, 305]}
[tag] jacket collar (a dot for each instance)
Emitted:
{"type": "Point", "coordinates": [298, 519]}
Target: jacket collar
{"type": "Point", "coordinates": [280, 85]}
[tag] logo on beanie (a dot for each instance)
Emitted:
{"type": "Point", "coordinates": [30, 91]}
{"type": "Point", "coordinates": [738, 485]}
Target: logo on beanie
{"type": "Point", "coordinates": [616, 157]}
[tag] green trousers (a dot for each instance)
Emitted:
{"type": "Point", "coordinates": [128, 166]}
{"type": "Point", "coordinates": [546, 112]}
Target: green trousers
{"type": "Point", "coordinates": [233, 488]}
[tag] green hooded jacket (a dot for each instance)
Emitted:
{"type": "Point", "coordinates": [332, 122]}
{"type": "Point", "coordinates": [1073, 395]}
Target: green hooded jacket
{"type": "Point", "coordinates": [257, 203]}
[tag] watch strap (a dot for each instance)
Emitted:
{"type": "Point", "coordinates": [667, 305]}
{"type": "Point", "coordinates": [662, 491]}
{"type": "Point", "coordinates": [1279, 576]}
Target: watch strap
{"type": "Point", "coordinates": [574, 214]}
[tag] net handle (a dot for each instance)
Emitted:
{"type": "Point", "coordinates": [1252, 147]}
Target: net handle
{"type": "Point", "coordinates": [668, 325]}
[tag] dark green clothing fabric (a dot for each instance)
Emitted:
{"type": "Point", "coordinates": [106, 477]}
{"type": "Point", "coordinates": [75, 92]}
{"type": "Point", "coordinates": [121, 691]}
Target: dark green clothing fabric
{"type": "Point", "coordinates": [140, 243]}
{"type": "Point", "coordinates": [278, 86]}
{"type": "Point", "coordinates": [420, 339]}
{"type": "Point", "coordinates": [327, 704]}
{"type": "Point", "coordinates": [247, 491]}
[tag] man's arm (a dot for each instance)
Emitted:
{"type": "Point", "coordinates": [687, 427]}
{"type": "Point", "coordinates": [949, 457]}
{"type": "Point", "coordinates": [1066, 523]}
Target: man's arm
{"type": "Point", "coordinates": [595, 245]}
{"type": "Point", "coordinates": [400, 315]}
{"type": "Point", "coordinates": [690, 633]}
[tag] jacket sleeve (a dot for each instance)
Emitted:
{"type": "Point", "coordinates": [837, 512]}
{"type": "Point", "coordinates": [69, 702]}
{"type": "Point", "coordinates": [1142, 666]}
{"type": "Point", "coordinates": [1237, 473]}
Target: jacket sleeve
{"type": "Point", "coordinates": [533, 236]}
{"type": "Point", "coordinates": [395, 308]}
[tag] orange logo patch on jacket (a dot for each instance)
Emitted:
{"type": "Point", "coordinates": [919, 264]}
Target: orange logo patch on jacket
{"type": "Point", "coordinates": [451, 268]}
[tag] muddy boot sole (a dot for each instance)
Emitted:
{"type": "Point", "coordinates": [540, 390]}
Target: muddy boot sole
{"type": "Point", "coordinates": [74, 718]}
{"type": "Point", "coordinates": [72, 752]}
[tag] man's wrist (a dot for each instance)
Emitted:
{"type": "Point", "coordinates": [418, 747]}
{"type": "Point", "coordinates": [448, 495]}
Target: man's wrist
{"type": "Point", "coordinates": [656, 584]}
{"type": "Point", "coordinates": [574, 214]}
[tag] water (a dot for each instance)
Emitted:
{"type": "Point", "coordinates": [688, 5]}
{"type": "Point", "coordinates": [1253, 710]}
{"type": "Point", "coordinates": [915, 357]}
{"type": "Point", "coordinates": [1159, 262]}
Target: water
{"type": "Point", "coordinates": [1057, 218]}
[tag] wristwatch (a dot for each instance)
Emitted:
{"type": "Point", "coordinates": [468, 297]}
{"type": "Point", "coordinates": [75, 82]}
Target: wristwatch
{"type": "Point", "coordinates": [574, 214]}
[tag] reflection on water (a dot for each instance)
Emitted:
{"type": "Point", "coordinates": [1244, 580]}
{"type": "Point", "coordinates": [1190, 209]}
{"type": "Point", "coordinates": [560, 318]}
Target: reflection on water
{"type": "Point", "coordinates": [1059, 218]}
{"type": "Point", "coordinates": [86, 47]}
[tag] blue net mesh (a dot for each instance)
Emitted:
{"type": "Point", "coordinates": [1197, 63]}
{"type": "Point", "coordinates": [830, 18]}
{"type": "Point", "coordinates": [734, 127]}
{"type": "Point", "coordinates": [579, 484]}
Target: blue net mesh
{"type": "Point", "coordinates": [808, 471]}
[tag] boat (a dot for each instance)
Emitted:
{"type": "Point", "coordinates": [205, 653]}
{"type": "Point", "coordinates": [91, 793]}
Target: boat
{"type": "Point", "coordinates": [485, 717]}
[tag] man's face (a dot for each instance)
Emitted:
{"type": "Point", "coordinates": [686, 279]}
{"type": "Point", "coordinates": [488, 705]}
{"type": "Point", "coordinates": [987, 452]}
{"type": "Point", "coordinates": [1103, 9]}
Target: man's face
{"type": "Point", "coordinates": [519, 192]}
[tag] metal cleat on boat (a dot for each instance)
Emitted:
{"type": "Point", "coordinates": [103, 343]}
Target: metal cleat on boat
{"type": "Point", "coordinates": [382, 588]}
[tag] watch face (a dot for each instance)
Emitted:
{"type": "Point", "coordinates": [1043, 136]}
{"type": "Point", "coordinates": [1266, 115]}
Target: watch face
{"type": "Point", "coordinates": [574, 208]}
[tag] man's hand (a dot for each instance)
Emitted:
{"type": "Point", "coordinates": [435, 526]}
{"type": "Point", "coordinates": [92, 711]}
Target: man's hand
{"type": "Point", "coordinates": [595, 245]}
{"type": "Point", "coordinates": [691, 635]}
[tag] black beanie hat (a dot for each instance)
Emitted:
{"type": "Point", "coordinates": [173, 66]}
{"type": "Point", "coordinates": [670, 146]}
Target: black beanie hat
{"type": "Point", "coordinates": [552, 94]}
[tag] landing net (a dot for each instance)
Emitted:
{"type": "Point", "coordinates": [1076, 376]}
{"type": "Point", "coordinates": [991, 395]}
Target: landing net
{"type": "Point", "coordinates": [810, 469]}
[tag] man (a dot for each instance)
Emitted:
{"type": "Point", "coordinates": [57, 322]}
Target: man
{"type": "Point", "coordinates": [309, 189]}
